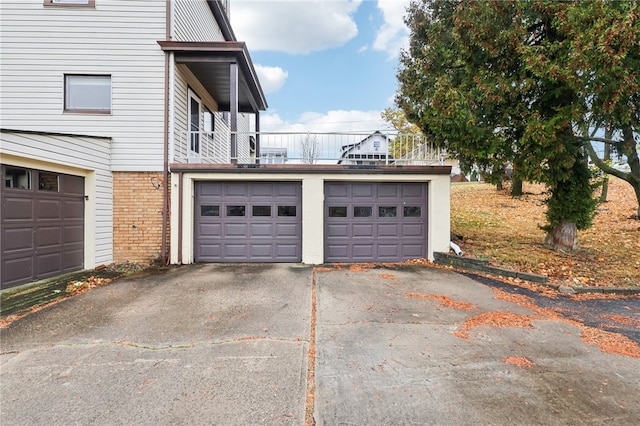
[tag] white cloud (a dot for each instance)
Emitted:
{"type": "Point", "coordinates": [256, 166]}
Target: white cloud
{"type": "Point", "coordinates": [271, 78]}
{"type": "Point", "coordinates": [296, 27]}
{"type": "Point", "coordinates": [339, 121]}
{"type": "Point", "coordinates": [394, 34]}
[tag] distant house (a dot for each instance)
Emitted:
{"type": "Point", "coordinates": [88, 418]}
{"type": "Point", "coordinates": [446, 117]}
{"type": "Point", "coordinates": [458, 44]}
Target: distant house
{"type": "Point", "coordinates": [374, 149]}
{"type": "Point", "coordinates": [273, 155]}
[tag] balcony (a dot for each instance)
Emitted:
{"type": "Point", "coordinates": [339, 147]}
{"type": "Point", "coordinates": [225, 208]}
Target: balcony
{"type": "Point", "coordinates": [290, 148]}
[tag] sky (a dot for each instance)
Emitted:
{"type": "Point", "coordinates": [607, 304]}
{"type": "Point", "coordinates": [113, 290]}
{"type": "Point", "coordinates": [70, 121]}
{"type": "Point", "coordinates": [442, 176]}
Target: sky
{"type": "Point", "coordinates": [324, 66]}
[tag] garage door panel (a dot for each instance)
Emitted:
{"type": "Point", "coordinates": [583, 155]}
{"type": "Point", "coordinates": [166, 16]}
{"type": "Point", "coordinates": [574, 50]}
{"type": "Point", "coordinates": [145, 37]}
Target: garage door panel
{"type": "Point", "coordinates": [16, 271]}
{"type": "Point", "coordinates": [261, 230]}
{"type": "Point", "coordinates": [338, 230]}
{"type": "Point", "coordinates": [17, 209]}
{"type": "Point", "coordinates": [48, 263]}
{"type": "Point", "coordinates": [73, 209]}
{"type": "Point", "coordinates": [17, 239]}
{"type": "Point", "coordinates": [210, 189]}
{"type": "Point", "coordinates": [260, 222]}
{"type": "Point", "coordinates": [391, 251]}
{"type": "Point", "coordinates": [362, 191]}
{"type": "Point", "coordinates": [236, 229]}
{"type": "Point", "coordinates": [290, 251]}
{"type": "Point", "coordinates": [375, 221]}
{"type": "Point", "coordinates": [388, 230]}
{"type": "Point", "coordinates": [412, 250]}
{"type": "Point", "coordinates": [413, 230]}
{"type": "Point", "coordinates": [362, 251]}
{"type": "Point", "coordinates": [210, 229]}
{"type": "Point", "coordinates": [261, 250]}
{"type": "Point", "coordinates": [291, 230]}
{"type": "Point", "coordinates": [210, 250]}
{"type": "Point", "coordinates": [72, 258]}
{"type": "Point", "coordinates": [362, 230]}
{"type": "Point", "coordinates": [73, 234]}
{"type": "Point", "coordinates": [49, 209]}
{"type": "Point", "coordinates": [49, 236]}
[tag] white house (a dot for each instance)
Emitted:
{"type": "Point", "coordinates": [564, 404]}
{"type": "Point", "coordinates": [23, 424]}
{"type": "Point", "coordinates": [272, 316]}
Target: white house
{"type": "Point", "coordinates": [125, 137]}
{"type": "Point", "coordinates": [371, 150]}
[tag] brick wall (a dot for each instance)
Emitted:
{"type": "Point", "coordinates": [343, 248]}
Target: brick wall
{"type": "Point", "coordinates": [137, 216]}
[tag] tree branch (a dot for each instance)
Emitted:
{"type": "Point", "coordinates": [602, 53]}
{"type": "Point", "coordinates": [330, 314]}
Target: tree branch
{"type": "Point", "coordinates": [597, 139]}
{"type": "Point", "coordinates": [604, 166]}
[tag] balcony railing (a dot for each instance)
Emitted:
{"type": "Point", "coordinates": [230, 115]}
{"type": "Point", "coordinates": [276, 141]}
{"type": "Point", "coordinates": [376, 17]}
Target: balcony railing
{"type": "Point", "coordinates": [306, 148]}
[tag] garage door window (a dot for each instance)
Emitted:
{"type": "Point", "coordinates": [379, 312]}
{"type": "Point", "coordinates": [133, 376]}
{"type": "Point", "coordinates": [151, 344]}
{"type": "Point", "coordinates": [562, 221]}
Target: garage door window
{"type": "Point", "coordinates": [209, 210]}
{"type": "Point", "coordinates": [17, 178]}
{"type": "Point", "coordinates": [338, 211]}
{"type": "Point", "coordinates": [48, 182]}
{"type": "Point", "coordinates": [288, 211]}
{"type": "Point", "coordinates": [412, 211]}
{"type": "Point", "coordinates": [262, 211]}
{"type": "Point", "coordinates": [235, 211]}
{"type": "Point", "coordinates": [360, 211]}
{"type": "Point", "coordinates": [387, 211]}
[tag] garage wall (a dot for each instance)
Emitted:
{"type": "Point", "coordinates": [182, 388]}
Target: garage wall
{"type": "Point", "coordinates": [74, 155]}
{"type": "Point", "coordinates": [182, 238]}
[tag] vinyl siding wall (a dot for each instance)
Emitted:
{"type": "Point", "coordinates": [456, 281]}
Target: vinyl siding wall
{"type": "Point", "coordinates": [74, 155]}
{"type": "Point", "coordinates": [118, 38]}
{"type": "Point", "coordinates": [194, 21]}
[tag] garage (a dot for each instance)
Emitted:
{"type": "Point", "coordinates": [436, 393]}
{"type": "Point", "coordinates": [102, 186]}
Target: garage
{"type": "Point", "coordinates": [42, 224]}
{"type": "Point", "coordinates": [248, 222]}
{"type": "Point", "coordinates": [372, 221]}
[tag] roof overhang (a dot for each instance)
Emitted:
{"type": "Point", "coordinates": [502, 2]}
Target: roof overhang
{"type": "Point", "coordinates": [211, 62]}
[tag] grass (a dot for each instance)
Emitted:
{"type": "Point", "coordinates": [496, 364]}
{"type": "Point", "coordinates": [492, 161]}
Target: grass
{"type": "Point", "coordinates": [506, 231]}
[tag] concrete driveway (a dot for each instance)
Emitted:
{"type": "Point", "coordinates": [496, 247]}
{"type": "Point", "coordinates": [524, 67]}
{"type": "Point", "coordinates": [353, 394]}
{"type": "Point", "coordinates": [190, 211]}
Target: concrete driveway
{"type": "Point", "coordinates": [288, 344]}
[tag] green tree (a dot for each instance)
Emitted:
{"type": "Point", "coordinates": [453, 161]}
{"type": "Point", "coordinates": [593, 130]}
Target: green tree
{"type": "Point", "coordinates": [494, 82]}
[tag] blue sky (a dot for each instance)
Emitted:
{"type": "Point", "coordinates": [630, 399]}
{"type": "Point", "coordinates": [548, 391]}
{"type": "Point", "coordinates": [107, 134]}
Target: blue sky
{"type": "Point", "coordinates": [324, 65]}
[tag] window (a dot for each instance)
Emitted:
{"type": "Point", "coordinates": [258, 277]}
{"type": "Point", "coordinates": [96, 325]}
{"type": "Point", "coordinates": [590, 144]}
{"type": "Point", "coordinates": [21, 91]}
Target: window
{"type": "Point", "coordinates": [287, 211]}
{"type": "Point", "coordinates": [15, 177]}
{"type": "Point", "coordinates": [208, 121]}
{"type": "Point", "coordinates": [48, 182]}
{"type": "Point", "coordinates": [338, 211]}
{"type": "Point", "coordinates": [235, 211]}
{"type": "Point", "coordinates": [362, 211]}
{"type": "Point", "coordinates": [87, 93]}
{"type": "Point", "coordinates": [75, 3]}
{"type": "Point", "coordinates": [412, 211]}
{"type": "Point", "coordinates": [387, 211]}
{"type": "Point", "coordinates": [194, 124]}
{"type": "Point", "coordinates": [261, 211]}
{"type": "Point", "coordinates": [209, 210]}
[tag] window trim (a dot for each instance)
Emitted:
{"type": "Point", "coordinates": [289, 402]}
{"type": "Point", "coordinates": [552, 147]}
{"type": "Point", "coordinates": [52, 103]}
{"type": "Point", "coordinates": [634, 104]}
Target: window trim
{"type": "Point", "coordinates": [66, 109]}
{"type": "Point", "coordinates": [67, 3]}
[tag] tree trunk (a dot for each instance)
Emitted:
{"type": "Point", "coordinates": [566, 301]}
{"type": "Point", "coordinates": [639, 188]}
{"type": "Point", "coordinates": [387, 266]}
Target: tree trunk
{"type": "Point", "coordinates": [608, 134]}
{"type": "Point", "coordinates": [516, 186]}
{"type": "Point", "coordinates": [605, 189]}
{"type": "Point", "coordinates": [563, 237]}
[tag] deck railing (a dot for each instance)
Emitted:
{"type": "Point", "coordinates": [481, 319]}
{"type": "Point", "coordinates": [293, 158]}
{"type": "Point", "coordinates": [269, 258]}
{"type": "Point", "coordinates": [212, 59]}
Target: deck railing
{"type": "Point", "coordinates": [309, 148]}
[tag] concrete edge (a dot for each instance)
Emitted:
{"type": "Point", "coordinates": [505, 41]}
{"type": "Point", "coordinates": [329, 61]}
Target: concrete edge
{"type": "Point", "coordinates": [480, 265]}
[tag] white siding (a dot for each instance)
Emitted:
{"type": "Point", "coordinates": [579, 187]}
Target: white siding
{"type": "Point", "coordinates": [81, 156]}
{"type": "Point", "coordinates": [193, 21]}
{"type": "Point", "coordinates": [212, 150]}
{"type": "Point", "coordinates": [119, 38]}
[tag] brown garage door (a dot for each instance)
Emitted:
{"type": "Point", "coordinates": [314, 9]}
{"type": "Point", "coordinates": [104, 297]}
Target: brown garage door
{"type": "Point", "coordinates": [248, 222]}
{"type": "Point", "coordinates": [375, 221]}
{"type": "Point", "coordinates": [42, 225]}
